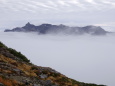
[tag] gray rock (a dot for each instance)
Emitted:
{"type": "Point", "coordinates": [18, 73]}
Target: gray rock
{"type": "Point", "coordinates": [1, 84]}
{"type": "Point", "coordinates": [37, 85]}
{"type": "Point", "coordinates": [46, 83]}
{"type": "Point", "coordinates": [43, 76]}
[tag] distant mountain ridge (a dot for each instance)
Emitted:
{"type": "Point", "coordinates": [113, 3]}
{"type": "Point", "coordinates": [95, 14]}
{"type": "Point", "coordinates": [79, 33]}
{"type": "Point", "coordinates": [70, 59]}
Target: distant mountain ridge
{"type": "Point", "coordinates": [55, 29]}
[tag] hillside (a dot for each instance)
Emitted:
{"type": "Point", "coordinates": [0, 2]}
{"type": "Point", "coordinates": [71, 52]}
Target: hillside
{"type": "Point", "coordinates": [57, 29]}
{"type": "Point", "coordinates": [17, 70]}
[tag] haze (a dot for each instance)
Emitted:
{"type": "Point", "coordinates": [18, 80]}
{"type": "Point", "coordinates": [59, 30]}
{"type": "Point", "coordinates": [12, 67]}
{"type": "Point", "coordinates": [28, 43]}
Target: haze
{"type": "Point", "coordinates": [85, 58]}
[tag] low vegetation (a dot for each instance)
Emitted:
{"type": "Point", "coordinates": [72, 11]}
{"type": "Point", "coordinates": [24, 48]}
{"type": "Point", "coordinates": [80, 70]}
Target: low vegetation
{"type": "Point", "coordinates": [15, 53]}
{"type": "Point", "coordinates": [2, 45]}
{"type": "Point", "coordinates": [20, 72]}
{"type": "Point", "coordinates": [8, 82]}
{"type": "Point", "coordinates": [18, 54]}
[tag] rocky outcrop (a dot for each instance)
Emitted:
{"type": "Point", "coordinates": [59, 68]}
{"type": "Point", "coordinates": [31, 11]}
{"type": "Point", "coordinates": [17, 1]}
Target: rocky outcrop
{"type": "Point", "coordinates": [56, 29]}
{"type": "Point", "coordinates": [17, 70]}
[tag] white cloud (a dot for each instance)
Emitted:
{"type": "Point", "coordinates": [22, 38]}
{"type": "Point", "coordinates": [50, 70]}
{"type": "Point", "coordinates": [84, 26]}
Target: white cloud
{"type": "Point", "coordinates": [84, 58]}
{"type": "Point", "coordinates": [76, 4]}
{"type": "Point", "coordinates": [109, 26]}
{"type": "Point", "coordinates": [91, 1]}
{"type": "Point", "coordinates": [57, 5]}
{"type": "Point", "coordinates": [106, 24]}
{"type": "Point", "coordinates": [52, 3]}
{"type": "Point", "coordinates": [109, 3]}
{"type": "Point", "coordinates": [62, 2]}
{"type": "Point", "coordinates": [42, 5]}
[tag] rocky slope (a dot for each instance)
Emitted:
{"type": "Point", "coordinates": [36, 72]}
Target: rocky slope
{"type": "Point", "coordinates": [55, 29]}
{"type": "Point", "coordinates": [17, 70]}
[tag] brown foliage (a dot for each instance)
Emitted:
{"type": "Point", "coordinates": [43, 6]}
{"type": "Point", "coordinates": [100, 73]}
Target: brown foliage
{"type": "Point", "coordinates": [7, 82]}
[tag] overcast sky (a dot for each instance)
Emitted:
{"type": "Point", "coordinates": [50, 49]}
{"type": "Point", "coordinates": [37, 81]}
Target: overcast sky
{"type": "Point", "coordinates": [70, 12]}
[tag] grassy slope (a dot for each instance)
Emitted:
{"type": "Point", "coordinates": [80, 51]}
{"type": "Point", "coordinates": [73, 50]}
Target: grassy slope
{"type": "Point", "coordinates": [30, 71]}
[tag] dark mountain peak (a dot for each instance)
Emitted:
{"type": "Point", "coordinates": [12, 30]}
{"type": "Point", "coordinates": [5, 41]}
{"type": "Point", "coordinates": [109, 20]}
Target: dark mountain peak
{"type": "Point", "coordinates": [28, 28]}
{"type": "Point", "coordinates": [94, 30]}
{"type": "Point", "coordinates": [49, 28]}
{"type": "Point", "coordinates": [62, 26]}
{"type": "Point", "coordinates": [46, 25]}
{"type": "Point", "coordinates": [91, 26]}
{"type": "Point", "coordinates": [29, 25]}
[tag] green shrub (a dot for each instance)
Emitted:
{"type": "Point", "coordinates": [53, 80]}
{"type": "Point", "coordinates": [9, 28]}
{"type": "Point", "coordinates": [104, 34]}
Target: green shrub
{"type": "Point", "coordinates": [63, 80]}
{"type": "Point", "coordinates": [45, 72]}
{"type": "Point", "coordinates": [18, 54]}
{"type": "Point", "coordinates": [84, 84]}
{"type": "Point", "coordinates": [89, 84]}
{"type": "Point", "coordinates": [34, 68]}
{"type": "Point", "coordinates": [2, 45]}
{"type": "Point", "coordinates": [15, 53]}
{"type": "Point", "coordinates": [74, 82]}
{"type": "Point", "coordinates": [54, 74]}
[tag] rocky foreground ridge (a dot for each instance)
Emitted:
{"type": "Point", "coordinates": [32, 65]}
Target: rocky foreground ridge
{"type": "Point", "coordinates": [57, 29]}
{"type": "Point", "coordinates": [17, 70]}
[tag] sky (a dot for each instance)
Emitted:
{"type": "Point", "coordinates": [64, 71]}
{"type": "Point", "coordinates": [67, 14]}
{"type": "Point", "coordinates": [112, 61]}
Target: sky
{"type": "Point", "coordinates": [16, 13]}
{"type": "Point", "coordinates": [85, 58]}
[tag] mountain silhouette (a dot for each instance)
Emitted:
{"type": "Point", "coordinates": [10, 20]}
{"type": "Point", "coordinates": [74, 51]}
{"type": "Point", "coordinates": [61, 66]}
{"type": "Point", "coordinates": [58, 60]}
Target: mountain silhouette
{"type": "Point", "coordinates": [57, 29]}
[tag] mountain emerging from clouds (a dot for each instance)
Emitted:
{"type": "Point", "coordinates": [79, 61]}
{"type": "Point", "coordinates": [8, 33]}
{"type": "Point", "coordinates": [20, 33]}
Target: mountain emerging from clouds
{"type": "Point", "coordinates": [57, 29]}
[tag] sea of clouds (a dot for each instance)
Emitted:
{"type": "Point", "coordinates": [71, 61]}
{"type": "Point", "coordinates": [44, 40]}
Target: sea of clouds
{"type": "Point", "coordinates": [85, 58]}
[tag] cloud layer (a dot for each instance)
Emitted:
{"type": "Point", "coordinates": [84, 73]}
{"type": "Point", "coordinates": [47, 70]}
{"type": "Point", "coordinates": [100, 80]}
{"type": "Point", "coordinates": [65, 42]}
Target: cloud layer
{"type": "Point", "coordinates": [84, 58]}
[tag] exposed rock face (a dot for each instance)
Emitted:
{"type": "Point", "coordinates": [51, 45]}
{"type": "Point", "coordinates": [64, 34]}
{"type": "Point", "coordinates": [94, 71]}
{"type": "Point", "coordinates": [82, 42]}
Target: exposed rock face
{"type": "Point", "coordinates": [55, 29]}
{"type": "Point", "coordinates": [1, 84]}
{"type": "Point", "coordinates": [16, 70]}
